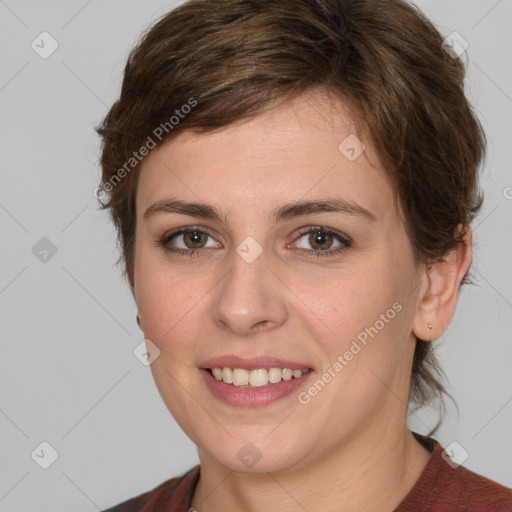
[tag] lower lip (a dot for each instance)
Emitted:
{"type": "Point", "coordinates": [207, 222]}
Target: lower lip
{"type": "Point", "coordinates": [252, 397]}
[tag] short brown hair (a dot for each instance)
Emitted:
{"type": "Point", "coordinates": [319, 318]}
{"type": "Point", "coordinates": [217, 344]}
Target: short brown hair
{"type": "Point", "coordinates": [234, 59]}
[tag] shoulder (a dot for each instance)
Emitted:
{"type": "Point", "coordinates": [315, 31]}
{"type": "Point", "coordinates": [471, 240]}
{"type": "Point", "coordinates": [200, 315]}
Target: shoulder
{"type": "Point", "coordinates": [176, 491]}
{"type": "Point", "coordinates": [445, 485]}
{"type": "Point", "coordinates": [477, 492]}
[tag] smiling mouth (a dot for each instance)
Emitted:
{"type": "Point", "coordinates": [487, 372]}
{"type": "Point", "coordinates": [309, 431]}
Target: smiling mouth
{"type": "Point", "coordinates": [256, 378]}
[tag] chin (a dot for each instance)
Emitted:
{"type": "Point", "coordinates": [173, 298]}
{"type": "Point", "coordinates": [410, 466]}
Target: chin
{"type": "Point", "coordinates": [255, 458]}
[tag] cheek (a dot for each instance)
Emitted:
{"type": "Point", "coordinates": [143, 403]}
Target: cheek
{"type": "Point", "coordinates": [361, 314]}
{"type": "Point", "coordinates": [346, 302]}
{"type": "Point", "coordinates": [359, 321]}
{"type": "Point", "coordinates": [168, 307]}
{"type": "Point", "coordinates": [175, 304]}
{"type": "Point", "coordinates": [167, 299]}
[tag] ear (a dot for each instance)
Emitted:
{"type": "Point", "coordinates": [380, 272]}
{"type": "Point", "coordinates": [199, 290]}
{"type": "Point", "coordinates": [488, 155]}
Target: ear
{"type": "Point", "coordinates": [441, 288]}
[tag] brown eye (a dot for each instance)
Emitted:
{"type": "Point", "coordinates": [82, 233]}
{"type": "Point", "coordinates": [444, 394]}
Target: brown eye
{"type": "Point", "coordinates": [320, 240]}
{"type": "Point", "coordinates": [188, 240]}
{"type": "Point", "coordinates": [195, 239]}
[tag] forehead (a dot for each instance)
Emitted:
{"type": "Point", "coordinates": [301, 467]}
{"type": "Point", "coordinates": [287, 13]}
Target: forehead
{"type": "Point", "coordinates": [300, 150]}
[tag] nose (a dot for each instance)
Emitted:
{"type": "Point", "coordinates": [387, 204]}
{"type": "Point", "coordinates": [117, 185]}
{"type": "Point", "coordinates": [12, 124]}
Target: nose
{"type": "Point", "coordinates": [250, 298]}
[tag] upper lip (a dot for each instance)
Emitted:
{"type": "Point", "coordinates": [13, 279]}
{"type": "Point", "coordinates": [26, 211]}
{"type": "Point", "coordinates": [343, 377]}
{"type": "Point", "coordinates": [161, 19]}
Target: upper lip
{"type": "Point", "coordinates": [251, 363]}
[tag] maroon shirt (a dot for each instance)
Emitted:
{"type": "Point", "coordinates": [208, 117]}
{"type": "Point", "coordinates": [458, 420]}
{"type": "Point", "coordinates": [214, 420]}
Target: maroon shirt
{"type": "Point", "coordinates": [440, 488]}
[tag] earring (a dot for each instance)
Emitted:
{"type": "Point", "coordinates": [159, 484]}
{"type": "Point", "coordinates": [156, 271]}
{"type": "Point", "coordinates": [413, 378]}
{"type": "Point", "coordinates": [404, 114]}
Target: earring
{"type": "Point", "coordinates": [138, 319]}
{"type": "Point", "coordinates": [430, 326]}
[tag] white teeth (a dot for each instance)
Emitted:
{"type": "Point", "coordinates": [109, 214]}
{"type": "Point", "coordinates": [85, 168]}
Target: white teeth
{"type": "Point", "coordinates": [274, 375]}
{"type": "Point", "coordinates": [287, 374]}
{"type": "Point", "coordinates": [240, 377]}
{"type": "Point", "coordinates": [227, 375]}
{"type": "Point", "coordinates": [257, 377]}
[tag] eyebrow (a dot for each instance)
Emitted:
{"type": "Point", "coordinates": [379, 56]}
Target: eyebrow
{"type": "Point", "coordinates": [285, 212]}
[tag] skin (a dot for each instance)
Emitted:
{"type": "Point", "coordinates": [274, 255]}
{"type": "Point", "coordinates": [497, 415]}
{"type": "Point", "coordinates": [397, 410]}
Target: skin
{"type": "Point", "coordinates": [350, 444]}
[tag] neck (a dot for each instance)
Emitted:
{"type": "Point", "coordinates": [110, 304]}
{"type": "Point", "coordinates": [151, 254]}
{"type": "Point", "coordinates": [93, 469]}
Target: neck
{"type": "Point", "coordinates": [373, 471]}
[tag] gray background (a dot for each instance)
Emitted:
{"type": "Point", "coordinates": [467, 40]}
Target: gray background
{"type": "Point", "coordinates": [67, 372]}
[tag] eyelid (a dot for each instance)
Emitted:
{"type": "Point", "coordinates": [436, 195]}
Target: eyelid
{"type": "Point", "coordinates": [342, 237]}
{"type": "Point", "coordinates": [344, 240]}
{"type": "Point", "coordinates": [185, 229]}
{"type": "Point", "coordinates": [333, 231]}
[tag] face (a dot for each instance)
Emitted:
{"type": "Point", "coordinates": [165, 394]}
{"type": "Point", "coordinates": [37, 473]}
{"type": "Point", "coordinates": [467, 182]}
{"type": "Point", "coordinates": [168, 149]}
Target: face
{"type": "Point", "coordinates": [267, 245]}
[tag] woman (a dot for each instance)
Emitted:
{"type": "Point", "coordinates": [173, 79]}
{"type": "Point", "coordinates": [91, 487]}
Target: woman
{"type": "Point", "coordinates": [293, 184]}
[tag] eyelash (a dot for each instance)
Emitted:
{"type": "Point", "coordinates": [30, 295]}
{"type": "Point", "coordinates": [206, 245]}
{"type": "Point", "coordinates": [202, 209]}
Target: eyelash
{"type": "Point", "coordinates": [344, 240]}
{"type": "Point", "coordinates": [164, 241]}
